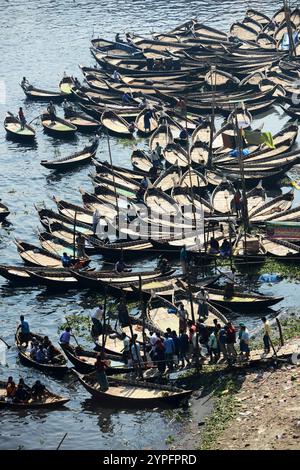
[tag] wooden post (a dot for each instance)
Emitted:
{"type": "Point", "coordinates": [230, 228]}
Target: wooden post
{"type": "Point", "coordinates": [104, 334]}
{"type": "Point", "coordinates": [74, 236]}
{"type": "Point", "coordinates": [280, 332]}
{"type": "Point", "coordinates": [212, 120]}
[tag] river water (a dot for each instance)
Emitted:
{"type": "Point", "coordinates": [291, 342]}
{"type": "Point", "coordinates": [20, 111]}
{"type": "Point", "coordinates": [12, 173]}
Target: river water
{"type": "Point", "coordinates": [40, 39]}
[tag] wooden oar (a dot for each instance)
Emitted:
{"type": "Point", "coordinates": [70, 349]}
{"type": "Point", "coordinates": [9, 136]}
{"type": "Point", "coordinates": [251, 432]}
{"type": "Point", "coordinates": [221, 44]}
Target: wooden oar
{"type": "Point", "coordinates": [7, 345]}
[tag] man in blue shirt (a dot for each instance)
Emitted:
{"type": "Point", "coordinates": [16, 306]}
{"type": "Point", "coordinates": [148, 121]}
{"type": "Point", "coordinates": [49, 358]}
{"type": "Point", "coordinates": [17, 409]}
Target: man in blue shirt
{"type": "Point", "coordinates": [25, 331]}
{"type": "Point", "coordinates": [65, 337]}
{"type": "Point", "coordinates": [169, 350]}
{"type": "Point", "coordinates": [66, 261]}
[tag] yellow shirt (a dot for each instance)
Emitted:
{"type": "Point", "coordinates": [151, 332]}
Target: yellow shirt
{"type": "Point", "coordinates": [267, 328]}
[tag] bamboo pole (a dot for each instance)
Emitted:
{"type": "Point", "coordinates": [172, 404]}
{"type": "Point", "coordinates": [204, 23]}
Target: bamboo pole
{"type": "Point", "coordinates": [212, 119]}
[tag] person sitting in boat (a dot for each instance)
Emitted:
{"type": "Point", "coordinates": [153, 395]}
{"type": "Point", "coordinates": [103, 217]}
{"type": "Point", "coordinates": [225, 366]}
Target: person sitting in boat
{"type": "Point", "coordinates": [126, 98]}
{"type": "Point", "coordinates": [214, 247]}
{"type": "Point", "coordinates": [66, 260]}
{"type": "Point", "coordinates": [22, 118]}
{"type": "Point", "coordinates": [121, 267]}
{"type": "Point", "coordinates": [41, 355]}
{"type": "Point", "coordinates": [131, 127]}
{"type": "Point", "coordinates": [52, 112]}
{"type": "Point", "coordinates": [25, 334]}
{"type": "Point", "coordinates": [68, 108]}
{"type": "Point", "coordinates": [97, 318]}
{"type": "Point", "coordinates": [126, 347]}
{"type": "Point", "coordinates": [34, 348]}
{"type": "Point", "coordinates": [80, 244]}
{"type": "Point", "coordinates": [147, 120]}
{"type": "Point", "coordinates": [183, 135]}
{"type": "Point", "coordinates": [118, 38]}
{"type": "Point", "coordinates": [25, 83]}
{"type": "Point", "coordinates": [163, 264]}
{"type": "Point", "coordinates": [50, 353]}
{"type": "Point", "coordinates": [123, 315]}
{"type": "Point", "coordinates": [10, 389]}
{"type": "Point", "coordinates": [229, 287]}
{"type": "Point", "coordinates": [116, 76]}
{"type": "Point", "coordinates": [38, 390]}
{"type": "Point", "coordinates": [65, 337]}
{"type": "Point", "coordinates": [100, 366]}
{"type": "Point", "coordinates": [21, 395]}
{"type": "Point", "coordinates": [225, 250]}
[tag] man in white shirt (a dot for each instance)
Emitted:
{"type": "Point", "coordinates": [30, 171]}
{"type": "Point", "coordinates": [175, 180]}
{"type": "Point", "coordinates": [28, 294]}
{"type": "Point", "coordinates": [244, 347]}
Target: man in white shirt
{"type": "Point", "coordinates": [126, 348]}
{"type": "Point", "coordinates": [229, 288]}
{"type": "Point", "coordinates": [97, 317]}
{"type": "Point", "coordinates": [153, 340]}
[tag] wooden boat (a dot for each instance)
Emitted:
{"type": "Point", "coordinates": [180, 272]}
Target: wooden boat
{"type": "Point", "coordinates": [222, 197]}
{"type": "Point", "coordinates": [141, 162]}
{"type": "Point", "coordinates": [255, 198]}
{"type": "Point", "coordinates": [57, 367]}
{"type": "Point", "coordinates": [57, 246]}
{"type": "Point", "coordinates": [168, 179]}
{"type": "Point", "coordinates": [161, 135]}
{"type": "Point", "coordinates": [43, 95]}
{"type": "Point", "coordinates": [65, 85]}
{"type": "Point", "coordinates": [48, 400]}
{"type": "Point", "coordinates": [35, 256]}
{"type": "Point", "coordinates": [199, 153]}
{"type": "Point", "coordinates": [74, 160]}
{"type": "Point", "coordinates": [282, 249]}
{"type": "Point", "coordinates": [160, 203]}
{"type": "Point", "coordinates": [13, 129]}
{"type": "Point", "coordinates": [241, 302]}
{"type": "Point", "coordinates": [132, 393]}
{"type": "Point", "coordinates": [59, 128]}
{"type": "Point", "coordinates": [219, 79]}
{"type": "Point", "coordinates": [127, 249]}
{"type": "Point", "coordinates": [174, 154]}
{"type": "Point", "coordinates": [84, 361]}
{"type": "Point", "coordinates": [100, 280]}
{"type": "Point", "coordinates": [285, 216]}
{"type": "Point", "coordinates": [240, 117]}
{"type": "Point", "coordinates": [202, 133]}
{"type": "Point", "coordinates": [82, 122]}
{"type": "Point", "coordinates": [104, 167]}
{"type": "Point", "coordinates": [193, 179]}
{"type": "Point", "coordinates": [4, 212]}
{"type": "Point", "coordinates": [15, 275]}
{"type": "Point", "coordinates": [243, 32]}
{"type": "Point", "coordinates": [275, 206]}
{"type": "Point", "coordinates": [184, 199]}
{"type": "Point", "coordinates": [54, 279]}
{"type": "Point", "coordinates": [115, 124]}
{"type": "Point", "coordinates": [258, 16]}
{"type": "Point", "coordinates": [74, 212]}
{"type": "Point", "coordinates": [291, 111]}
{"type": "Point", "coordinates": [49, 217]}
{"type": "Point", "coordinates": [139, 123]}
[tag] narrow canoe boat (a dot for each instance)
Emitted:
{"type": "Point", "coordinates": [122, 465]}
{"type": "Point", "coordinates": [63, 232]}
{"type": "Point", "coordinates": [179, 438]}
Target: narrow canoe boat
{"type": "Point", "coordinates": [83, 122]}
{"type": "Point", "coordinates": [202, 133]}
{"type": "Point", "coordinates": [42, 95]}
{"type": "Point", "coordinates": [258, 16]}
{"type": "Point", "coordinates": [285, 216]}
{"type": "Point", "coordinates": [193, 179]}
{"type": "Point", "coordinates": [16, 275]}
{"type": "Point", "coordinates": [116, 125]}
{"type": "Point", "coordinates": [48, 217]}
{"type": "Point", "coordinates": [127, 249]}
{"type": "Point", "coordinates": [4, 212]}
{"type": "Point", "coordinates": [104, 167]}
{"type": "Point", "coordinates": [241, 302]}
{"type": "Point", "coordinates": [184, 199]}
{"type": "Point", "coordinates": [168, 179]}
{"type": "Point", "coordinates": [48, 400]}
{"type": "Point", "coordinates": [140, 126]}
{"type": "Point", "coordinates": [241, 117]}
{"type": "Point", "coordinates": [174, 154]}
{"type": "Point", "coordinates": [275, 206]}
{"type": "Point", "coordinates": [65, 85]}
{"type": "Point", "coordinates": [13, 129]}
{"type": "Point", "coordinates": [59, 128]}
{"type": "Point", "coordinates": [199, 153]}
{"type": "Point", "coordinates": [160, 203]}
{"type": "Point", "coordinates": [222, 197]}
{"type": "Point", "coordinates": [56, 246]}
{"type": "Point", "coordinates": [57, 367]}
{"type": "Point", "coordinates": [84, 361]}
{"type": "Point", "coordinates": [256, 197]}
{"type": "Point", "coordinates": [74, 212]}
{"type": "Point", "coordinates": [35, 256]}
{"type": "Point", "coordinates": [162, 135]}
{"type": "Point", "coordinates": [54, 279]}
{"type": "Point", "coordinates": [243, 32]}
{"type": "Point", "coordinates": [72, 161]}
{"type": "Point", "coordinates": [132, 393]}
{"type": "Point", "coordinates": [220, 79]}
{"type": "Point", "coordinates": [140, 161]}
{"type": "Point", "coordinates": [282, 249]}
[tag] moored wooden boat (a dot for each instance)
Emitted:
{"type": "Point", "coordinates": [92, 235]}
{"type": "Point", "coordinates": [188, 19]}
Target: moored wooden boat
{"type": "Point", "coordinates": [35, 256]}
{"type": "Point", "coordinates": [72, 161]}
{"type": "Point", "coordinates": [4, 212]}
{"type": "Point", "coordinates": [222, 197]}
{"type": "Point", "coordinates": [132, 393]}
{"type": "Point", "coordinates": [115, 124]}
{"type": "Point", "coordinates": [38, 94]}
